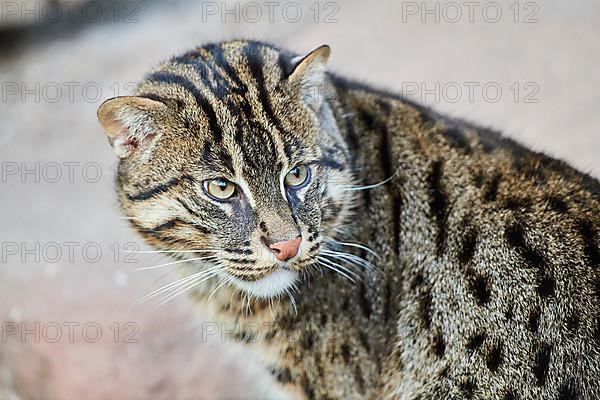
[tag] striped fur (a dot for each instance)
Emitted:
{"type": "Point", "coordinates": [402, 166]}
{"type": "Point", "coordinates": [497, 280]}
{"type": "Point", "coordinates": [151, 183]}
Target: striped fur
{"type": "Point", "coordinates": [488, 259]}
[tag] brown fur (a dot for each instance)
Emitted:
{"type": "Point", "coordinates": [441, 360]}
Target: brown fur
{"type": "Point", "coordinates": [487, 283]}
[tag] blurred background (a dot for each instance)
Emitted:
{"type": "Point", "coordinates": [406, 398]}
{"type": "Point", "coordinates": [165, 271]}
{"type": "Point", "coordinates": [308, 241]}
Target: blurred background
{"type": "Point", "coordinates": [72, 326]}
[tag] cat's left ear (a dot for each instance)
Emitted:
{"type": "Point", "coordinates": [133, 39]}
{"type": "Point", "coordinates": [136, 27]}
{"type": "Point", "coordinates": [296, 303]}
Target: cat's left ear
{"type": "Point", "coordinates": [308, 75]}
{"type": "Point", "coordinates": [130, 122]}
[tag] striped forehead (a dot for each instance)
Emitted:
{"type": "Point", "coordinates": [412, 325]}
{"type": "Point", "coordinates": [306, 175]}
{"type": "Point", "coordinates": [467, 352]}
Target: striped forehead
{"type": "Point", "coordinates": [223, 94]}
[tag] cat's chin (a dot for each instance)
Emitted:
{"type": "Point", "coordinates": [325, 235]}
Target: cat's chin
{"type": "Point", "coordinates": [274, 284]}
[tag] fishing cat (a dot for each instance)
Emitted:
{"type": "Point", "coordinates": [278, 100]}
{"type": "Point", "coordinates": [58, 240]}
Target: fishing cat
{"type": "Point", "coordinates": [360, 245]}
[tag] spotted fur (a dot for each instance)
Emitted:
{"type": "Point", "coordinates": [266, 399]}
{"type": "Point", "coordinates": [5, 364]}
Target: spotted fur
{"type": "Point", "coordinates": [488, 262]}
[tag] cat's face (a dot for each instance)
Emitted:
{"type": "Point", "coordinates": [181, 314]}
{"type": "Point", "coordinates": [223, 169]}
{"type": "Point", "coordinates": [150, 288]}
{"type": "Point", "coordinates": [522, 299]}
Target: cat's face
{"type": "Point", "coordinates": [231, 154]}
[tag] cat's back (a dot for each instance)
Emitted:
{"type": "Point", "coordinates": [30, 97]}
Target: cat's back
{"type": "Point", "coordinates": [495, 258]}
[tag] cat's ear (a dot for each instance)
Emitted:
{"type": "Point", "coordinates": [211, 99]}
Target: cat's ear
{"type": "Point", "coordinates": [130, 122]}
{"type": "Point", "coordinates": [308, 75]}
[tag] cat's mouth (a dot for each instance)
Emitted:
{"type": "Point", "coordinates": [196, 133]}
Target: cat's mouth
{"type": "Point", "coordinates": [269, 274]}
{"type": "Point", "coordinates": [265, 272]}
{"type": "Point", "coordinates": [274, 280]}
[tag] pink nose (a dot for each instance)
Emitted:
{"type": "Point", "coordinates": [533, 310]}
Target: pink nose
{"type": "Point", "coordinates": [286, 249]}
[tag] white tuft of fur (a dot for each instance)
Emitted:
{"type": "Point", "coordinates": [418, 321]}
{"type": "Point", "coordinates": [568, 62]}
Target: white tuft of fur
{"type": "Point", "coordinates": [273, 285]}
{"type": "Point", "coordinates": [137, 126]}
{"type": "Point", "coordinates": [137, 123]}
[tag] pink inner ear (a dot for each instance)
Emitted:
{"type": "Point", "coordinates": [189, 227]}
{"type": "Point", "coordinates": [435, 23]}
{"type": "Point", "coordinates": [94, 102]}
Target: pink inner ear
{"type": "Point", "coordinates": [135, 142]}
{"type": "Point", "coordinates": [131, 143]}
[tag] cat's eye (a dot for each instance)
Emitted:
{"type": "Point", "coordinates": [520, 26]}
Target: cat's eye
{"type": "Point", "coordinates": [219, 189]}
{"type": "Point", "coordinates": [297, 177]}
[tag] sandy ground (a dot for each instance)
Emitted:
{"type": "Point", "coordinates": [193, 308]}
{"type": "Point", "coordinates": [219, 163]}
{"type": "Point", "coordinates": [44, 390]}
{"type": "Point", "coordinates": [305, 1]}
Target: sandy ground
{"type": "Point", "coordinates": [546, 71]}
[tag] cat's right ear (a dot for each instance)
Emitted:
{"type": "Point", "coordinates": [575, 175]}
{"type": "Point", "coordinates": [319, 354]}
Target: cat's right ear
{"type": "Point", "coordinates": [130, 122]}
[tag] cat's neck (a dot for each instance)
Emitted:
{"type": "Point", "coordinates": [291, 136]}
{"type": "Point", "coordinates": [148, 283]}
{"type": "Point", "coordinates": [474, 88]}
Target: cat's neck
{"type": "Point", "coordinates": [373, 121]}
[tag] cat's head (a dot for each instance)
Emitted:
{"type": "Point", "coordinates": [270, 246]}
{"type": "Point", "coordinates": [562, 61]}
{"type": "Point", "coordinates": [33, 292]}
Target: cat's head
{"type": "Point", "coordinates": [231, 153]}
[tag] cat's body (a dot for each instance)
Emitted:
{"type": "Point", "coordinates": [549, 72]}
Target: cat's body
{"type": "Point", "coordinates": [488, 264]}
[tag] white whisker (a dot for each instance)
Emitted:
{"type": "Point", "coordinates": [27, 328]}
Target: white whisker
{"type": "Point", "coordinates": [292, 301]}
{"type": "Point", "coordinates": [357, 245]}
{"type": "Point", "coordinates": [271, 308]}
{"type": "Point", "coordinates": [169, 251]}
{"type": "Point", "coordinates": [187, 287]}
{"type": "Point", "coordinates": [248, 308]}
{"type": "Point", "coordinates": [342, 267]}
{"type": "Point", "coordinates": [175, 262]}
{"type": "Point", "coordinates": [351, 258]}
{"type": "Point", "coordinates": [334, 267]}
{"type": "Point", "coordinates": [179, 282]}
{"type": "Point", "coordinates": [366, 187]}
{"type": "Point", "coordinates": [220, 285]}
